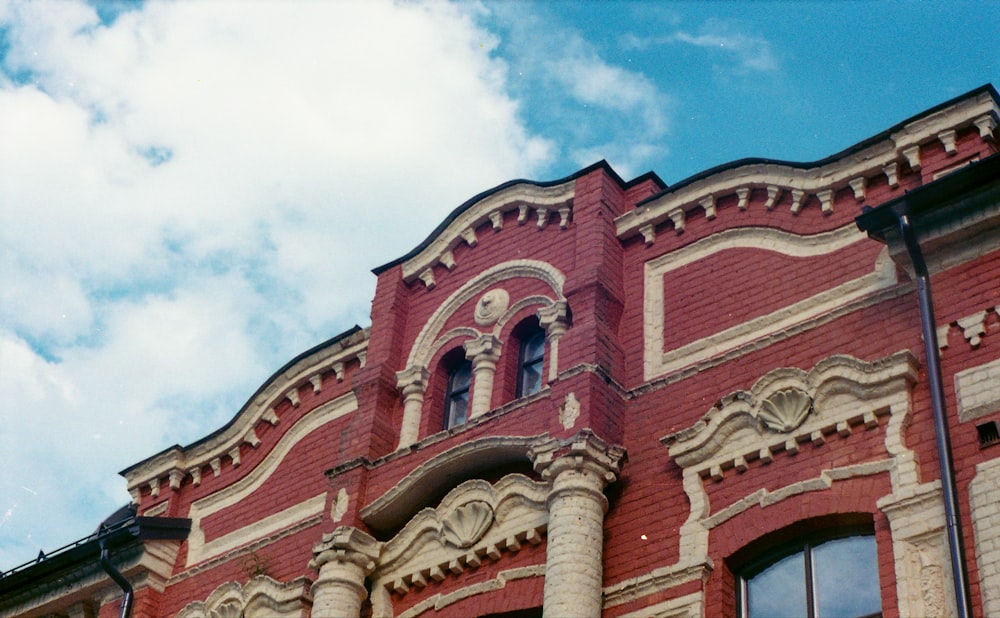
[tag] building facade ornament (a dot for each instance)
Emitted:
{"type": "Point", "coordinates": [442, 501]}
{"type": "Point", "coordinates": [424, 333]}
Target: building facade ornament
{"type": "Point", "coordinates": [491, 306]}
{"type": "Point", "coordinates": [578, 468]}
{"type": "Point", "coordinates": [344, 558]}
{"type": "Point", "coordinates": [484, 352]}
{"type": "Point", "coordinates": [413, 383]}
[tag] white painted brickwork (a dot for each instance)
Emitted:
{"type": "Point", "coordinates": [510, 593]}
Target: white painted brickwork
{"type": "Point", "coordinates": [978, 391]}
{"type": "Point", "coordinates": [985, 503]}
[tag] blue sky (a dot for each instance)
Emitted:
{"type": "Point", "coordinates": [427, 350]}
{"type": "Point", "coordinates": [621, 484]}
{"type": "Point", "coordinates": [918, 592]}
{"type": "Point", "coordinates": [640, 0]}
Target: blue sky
{"type": "Point", "coordinates": [192, 193]}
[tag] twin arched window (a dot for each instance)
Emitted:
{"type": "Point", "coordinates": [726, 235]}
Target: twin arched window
{"type": "Point", "coordinates": [530, 340]}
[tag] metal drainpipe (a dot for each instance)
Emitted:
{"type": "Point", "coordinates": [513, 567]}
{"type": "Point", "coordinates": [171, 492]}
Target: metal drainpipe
{"type": "Point", "coordinates": [116, 575]}
{"type": "Point", "coordinates": [951, 512]}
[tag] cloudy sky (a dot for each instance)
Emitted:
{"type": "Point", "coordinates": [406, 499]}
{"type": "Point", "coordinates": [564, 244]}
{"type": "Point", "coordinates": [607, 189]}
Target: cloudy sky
{"type": "Point", "coordinates": [192, 193]}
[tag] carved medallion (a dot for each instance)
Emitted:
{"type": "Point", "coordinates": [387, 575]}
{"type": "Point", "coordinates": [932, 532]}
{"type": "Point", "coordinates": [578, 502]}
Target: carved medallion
{"type": "Point", "coordinates": [785, 410]}
{"type": "Point", "coordinates": [467, 524]}
{"type": "Point", "coordinates": [491, 306]}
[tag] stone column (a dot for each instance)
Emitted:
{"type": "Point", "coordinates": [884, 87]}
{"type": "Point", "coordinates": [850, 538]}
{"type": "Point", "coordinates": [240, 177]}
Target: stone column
{"type": "Point", "coordinates": [554, 319]}
{"type": "Point", "coordinates": [579, 469]}
{"type": "Point", "coordinates": [344, 558]}
{"type": "Point", "coordinates": [484, 352]}
{"type": "Point", "coordinates": [413, 383]}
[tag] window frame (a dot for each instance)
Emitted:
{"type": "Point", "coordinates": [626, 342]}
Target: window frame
{"type": "Point", "coordinates": [451, 393]}
{"type": "Point", "coordinates": [804, 545]}
{"type": "Point", "coordinates": [524, 343]}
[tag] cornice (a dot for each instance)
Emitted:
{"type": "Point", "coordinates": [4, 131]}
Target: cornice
{"type": "Point", "coordinates": [885, 154]}
{"type": "Point", "coordinates": [177, 462]}
{"type": "Point", "coordinates": [528, 199]}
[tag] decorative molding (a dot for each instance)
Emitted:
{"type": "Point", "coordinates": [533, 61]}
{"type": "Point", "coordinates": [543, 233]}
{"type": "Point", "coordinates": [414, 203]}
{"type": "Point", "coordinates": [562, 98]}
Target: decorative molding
{"type": "Point", "coordinates": [259, 597]}
{"type": "Point", "coordinates": [439, 601]}
{"type": "Point", "coordinates": [688, 606]}
{"type": "Point", "coordinates": [569, 411]}
{"type": "Point", "coordinates": [655, 581]}
{"type": "Point", "coordinates": [847, 394]}
{"type": "Point", "coordinates": [658, 362]}
{"type": "Point", "coordinates": [977, 390]}
{"type": "Point", "coordinates": [491, 306]}
{"type": "Point", "coordinates": [473, 522]}
{"type": "Point", "coordinates": [209, 452]}
{"type": "Point", "coordinates": [973, 327]}
{"type": "Point", "coordinates": [489, 210]}
{"type": "Point", "coordinates": [877, 158]}
{"type": "Point", "coordinates": [198, 549]}
{"type": "Point", "coordinates": [785, 410]}
{"type": "Point", "coordinates": [408, 495]}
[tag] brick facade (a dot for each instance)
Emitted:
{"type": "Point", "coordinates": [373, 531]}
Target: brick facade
{"type": "Point", "coordinates": [731, 365]}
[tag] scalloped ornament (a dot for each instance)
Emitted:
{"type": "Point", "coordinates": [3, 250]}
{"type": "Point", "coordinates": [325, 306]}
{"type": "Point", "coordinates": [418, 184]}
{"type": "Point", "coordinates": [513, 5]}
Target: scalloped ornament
{"type": "Point", "coordinates": [785, 410]}
{"type": "Point", "coordinates": [467, 524]}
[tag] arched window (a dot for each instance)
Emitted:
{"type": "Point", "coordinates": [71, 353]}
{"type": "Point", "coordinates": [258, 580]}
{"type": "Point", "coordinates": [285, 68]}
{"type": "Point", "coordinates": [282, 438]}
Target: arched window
{"type": "Point", "coordinates": [818, 577]}
{"type": "Point", "coordinates": [456, 400]}
{"type": "Point", "coordinates": [531, 359]}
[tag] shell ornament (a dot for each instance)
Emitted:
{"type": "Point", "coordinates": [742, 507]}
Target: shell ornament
{"type": "Point", "coordinates": [467, 524]}
{"type": "Point", "coordinates": [785, 410]}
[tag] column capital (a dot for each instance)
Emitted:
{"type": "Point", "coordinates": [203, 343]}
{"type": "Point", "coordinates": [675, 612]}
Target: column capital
{"type": "Point", "coordinates": [583, 452]}
{"type": "Point", "coordinates": [413, 380]}
{"type": "Point", "coordinates": [554, 318]}
{"type": "Point", "coordinates": [483, 349]}
{"type": "Point", "coordinates": [346, 545]}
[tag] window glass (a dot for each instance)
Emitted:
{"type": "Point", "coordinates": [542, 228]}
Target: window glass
{"type": "Point", "coordinates": [780, 590]}
{"type": "Point", "coordinates": [846, 574]}
{"type": "Point", "coordinates": [457, 398]}
{"type": "Point", "coordinates": [821, 579]}
{"type": "Point", "coordinates": [532, 358]}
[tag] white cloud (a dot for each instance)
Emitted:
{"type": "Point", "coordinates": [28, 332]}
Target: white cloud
{"type": "Point", "coordinates": [195, 193]}
{"type": "Point", "coordinates": [751, 52]}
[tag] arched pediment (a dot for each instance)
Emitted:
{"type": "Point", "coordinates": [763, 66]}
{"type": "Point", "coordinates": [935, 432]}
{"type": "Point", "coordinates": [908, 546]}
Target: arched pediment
{"type": "Point", "coordinates": [422, 485]}
{"type": "Point", "coordinates": [788, 405]}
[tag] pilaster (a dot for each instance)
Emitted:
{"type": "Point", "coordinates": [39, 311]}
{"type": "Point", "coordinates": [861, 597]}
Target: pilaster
{"type": "Point", "coordinates": [412, 382]}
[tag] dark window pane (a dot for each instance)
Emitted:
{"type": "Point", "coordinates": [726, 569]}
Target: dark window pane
{"type": "Point", "coordinates": [532, 359]}
{"type": "Point", "coordinates": [846, 574]}
{"type": "Point", "coordinates": [779, 591]}
{"type": "Point", "coordinates": [457, 397]}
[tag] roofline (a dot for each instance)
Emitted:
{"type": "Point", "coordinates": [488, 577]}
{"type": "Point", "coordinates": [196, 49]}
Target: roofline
{"type": "Point", "coordinates": [876, 221]}
{"type": "Point", "coordinates": [600, 165]}
{"type": "Point", "coordinates": [882, 135]}
{"type": "Point", "coordinates": [274, 376]}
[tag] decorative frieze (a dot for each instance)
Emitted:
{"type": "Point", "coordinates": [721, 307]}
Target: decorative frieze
{"type": "Point", "coordinates": [523, 197]}
{"type": "Point", "coordinates": [823, 181]}
{"type": "Point", "coordinates": [261, 596]}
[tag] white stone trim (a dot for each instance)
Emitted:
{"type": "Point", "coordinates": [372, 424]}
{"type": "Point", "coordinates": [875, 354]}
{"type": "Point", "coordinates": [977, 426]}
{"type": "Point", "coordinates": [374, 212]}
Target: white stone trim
{"type": "Point", "coordinates": [181, 461]}
{"type": "Point", "coordinates": [688, 606]}
{"type": "Point", "coordinates": [978, 391]}
{"type": "Point", "coordinates": [198, 549]}
{"type": "Point", "coordinates": [476, 522]}
{"type": "Point", "coordinates": [847, 395]}
{"type": "Point", "coordinates": [878, 158]}
{"type": "Point", "coordinates": [489, 210]}
{"type": "Point", "coordinates": [263, 527]}
{"type": "Point", "coordinates": [985, 513]}
{"type": "Point", "coordinates": [658, 362]}
{"type": "Point", "coordinates": [422, 349]}
{"type": "Point", "coordinates": [261, 596]}
{"type": "Point", "coordinates": [438, 602]}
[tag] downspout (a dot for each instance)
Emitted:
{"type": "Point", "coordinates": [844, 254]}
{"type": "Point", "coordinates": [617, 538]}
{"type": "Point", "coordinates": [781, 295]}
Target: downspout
{"type": "Point", "coordinates": [116, 575]}
{"type": "Point", "coordinates": [956, 547]}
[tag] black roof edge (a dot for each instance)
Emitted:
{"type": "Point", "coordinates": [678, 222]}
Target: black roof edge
{"type": "Point", "coordinates": [988, 88]}
{"type": "Point", "coordinates": [316, 348]}
{"type": "Point", "coordinates": [602, 165]}
{"type": "Point", "coordinates": [878, 219]}
{"type": "Point", "coordinates": [88, 548]}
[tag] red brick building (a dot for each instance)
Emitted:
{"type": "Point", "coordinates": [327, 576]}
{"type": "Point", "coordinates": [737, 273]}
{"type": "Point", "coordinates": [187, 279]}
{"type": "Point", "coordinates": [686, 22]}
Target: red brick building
{"type": "Point", "coordinates": [604, 397]}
